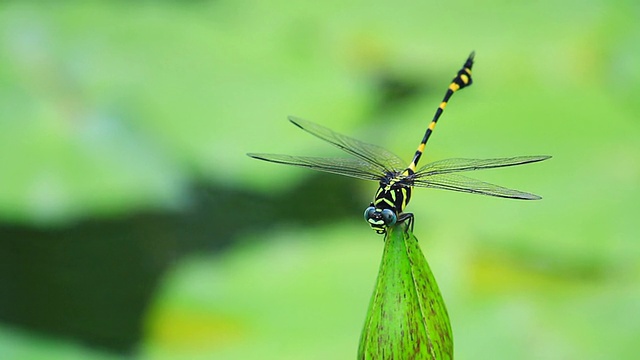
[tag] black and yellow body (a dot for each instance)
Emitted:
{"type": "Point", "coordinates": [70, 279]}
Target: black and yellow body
{"type": "Point", "coordinates": [388, 205]}
{"type": "Point", "coordinates": [396, 179]}
{"type": "Point", "coordinates": [394, 192]}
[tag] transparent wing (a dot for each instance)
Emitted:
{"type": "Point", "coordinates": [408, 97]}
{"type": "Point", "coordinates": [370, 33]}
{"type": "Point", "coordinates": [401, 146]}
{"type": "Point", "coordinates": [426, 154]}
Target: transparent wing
{"type": "Point", "coordinates": [458, 164]}
{"type": "Point", "coordinates": [456, 182]}
{"type": "Point", "coordinates": [349, 167]}
{"type": "Point", "coordinates": [380, 158]}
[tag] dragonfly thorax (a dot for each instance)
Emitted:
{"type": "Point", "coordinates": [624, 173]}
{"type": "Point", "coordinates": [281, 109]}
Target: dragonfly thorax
{"type": "Point", "coordinates": [390, 200]}
{"type": "Point", "coordinates": [394, 191]}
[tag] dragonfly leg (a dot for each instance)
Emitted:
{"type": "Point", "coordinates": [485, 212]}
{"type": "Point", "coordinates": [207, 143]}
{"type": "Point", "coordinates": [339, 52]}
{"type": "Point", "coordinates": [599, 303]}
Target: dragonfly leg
{"type": "Point", "coordinates": [407, 217]}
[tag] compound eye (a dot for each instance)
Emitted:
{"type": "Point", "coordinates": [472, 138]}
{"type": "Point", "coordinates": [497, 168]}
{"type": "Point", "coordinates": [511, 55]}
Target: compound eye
{"type": "Point", "coordinates": [389, 217]}
{"type": "Point", "coordinates": [368, 212]}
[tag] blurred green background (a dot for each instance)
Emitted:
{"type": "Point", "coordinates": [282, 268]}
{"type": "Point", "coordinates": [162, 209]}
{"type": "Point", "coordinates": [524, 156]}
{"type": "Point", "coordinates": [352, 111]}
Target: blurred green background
{"type": "Point", "coordinates": [133, 225]}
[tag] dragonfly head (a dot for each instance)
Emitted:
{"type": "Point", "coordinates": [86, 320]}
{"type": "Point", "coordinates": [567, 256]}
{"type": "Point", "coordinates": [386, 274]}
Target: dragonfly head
{"type": "Point", "coordinates": [379, 219]}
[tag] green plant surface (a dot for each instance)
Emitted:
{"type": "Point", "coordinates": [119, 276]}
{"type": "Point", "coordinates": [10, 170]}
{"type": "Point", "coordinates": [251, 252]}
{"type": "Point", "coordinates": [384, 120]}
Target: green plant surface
{"type": "Point", "coordinates": [407, 317]}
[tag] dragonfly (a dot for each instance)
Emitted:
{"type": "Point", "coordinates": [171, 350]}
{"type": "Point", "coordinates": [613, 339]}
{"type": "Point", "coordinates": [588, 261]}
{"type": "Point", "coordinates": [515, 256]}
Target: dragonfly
{"type": "Point", "coordinates": [396, 180]}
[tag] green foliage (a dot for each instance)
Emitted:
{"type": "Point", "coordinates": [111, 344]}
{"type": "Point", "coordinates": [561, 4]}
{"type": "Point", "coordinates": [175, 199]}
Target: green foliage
{"type": "Point", "coordinates": [16, 344]}
{"type": "Point", "coordinates": [114, 108]}
{"type": "Point", "coordinates": [407, 318]}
